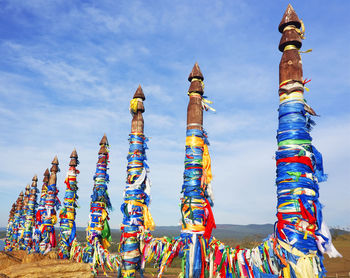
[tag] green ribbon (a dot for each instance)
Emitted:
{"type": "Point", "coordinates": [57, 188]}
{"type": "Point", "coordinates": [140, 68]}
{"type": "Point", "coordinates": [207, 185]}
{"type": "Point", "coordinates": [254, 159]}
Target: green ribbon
{"type": "Point", "coordinates": [106, 232]}
{"type": "Point", "coordinates": [293, 142]}
{"type": "Point", "coordinates": [296, 174]}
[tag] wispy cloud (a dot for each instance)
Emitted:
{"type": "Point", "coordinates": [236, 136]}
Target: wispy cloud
{"type": "Point", "coordinates": [69, 70]}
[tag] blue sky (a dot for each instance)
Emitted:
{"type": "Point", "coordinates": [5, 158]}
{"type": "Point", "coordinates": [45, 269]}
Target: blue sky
{"type": "Point", "coordinates": [69, 68]}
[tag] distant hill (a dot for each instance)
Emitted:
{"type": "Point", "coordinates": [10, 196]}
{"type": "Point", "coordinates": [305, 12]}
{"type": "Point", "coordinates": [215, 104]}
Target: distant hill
{"type": "Point", "coordinates": [222, 231]}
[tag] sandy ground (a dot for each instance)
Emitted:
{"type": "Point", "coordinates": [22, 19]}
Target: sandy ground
{"type": "Point", "coordinates": [19, 264]}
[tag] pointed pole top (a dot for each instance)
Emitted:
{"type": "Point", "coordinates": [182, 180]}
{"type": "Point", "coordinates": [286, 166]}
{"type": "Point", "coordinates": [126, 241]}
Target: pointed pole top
{"type": "Point", "coordinates": [47, 173]}
{"type": "Point", "coordinates": [139, 93]}
{"type": "Point", "coordinates": [195, 73]}
{"type": "Point", "coordinates": [35, 178]}
{"type": "Point", "coordinates": [54, 168]}
{"type": "Point", "coordinates": [289, 18]}
{"type": "Point", "coordinates": [104, 140]}
{"type": "Point", "coordinates": [74, 154]}
{"type": "Point", "coordinates": [55, 161]}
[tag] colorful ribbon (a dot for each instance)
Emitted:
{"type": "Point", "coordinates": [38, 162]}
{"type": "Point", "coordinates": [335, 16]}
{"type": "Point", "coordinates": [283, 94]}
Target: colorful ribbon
{"type": "Point", "coordinates": [136, 216]}
{"type": "Point", "coordinates": [67, 214]}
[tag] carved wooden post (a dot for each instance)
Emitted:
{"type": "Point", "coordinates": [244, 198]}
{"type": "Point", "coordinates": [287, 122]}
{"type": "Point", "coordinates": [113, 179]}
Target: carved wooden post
{"type": "Point", "coordinates": [39, 216]}
{"type": "Point", "coordinates": [299, 164]}
{"type": "Point", "coordinates": [68, 211]}
{"type": "Point", "coordinates": [136, 216]}
{"type": "Point", "coordinates": [197, 217]}
{"type": "Point", "coordinates": [9, 230]}
{"type": "Point", "coordinates": [98, 231]}
{"type": "Point", "coordinates": [52, 203]}
{"type": "Point", "coordinates": [17, 222]}
{"type": "Point", "coordinates": [30, 216]}
{"type": "Point", "coordinates": [20, 240]}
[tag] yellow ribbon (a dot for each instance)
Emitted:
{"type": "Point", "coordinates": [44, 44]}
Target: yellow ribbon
{"type": "Point", "coordinates": [129, 273]}
{"type": "Point", "coordinates": [297, 95]}
{"type": "Point", "coordinates": [290, 47]}
{"type": "Point", "coordinates": [53, 219]}
{"type": "Point", "coordinates": [194, 141]}
{"type": "Point", "coordinates": [105, 243]}
{"type": "Point", "coordinates": [200, 80]}
{"type": "Point", "coordinates": [207, 174]}
{"type": "Point", "coordinates": [193, 228]}
{"type": "Point", "coordinates": [133, 105]}
{"type": "Point", "coordinates": [300, 31]}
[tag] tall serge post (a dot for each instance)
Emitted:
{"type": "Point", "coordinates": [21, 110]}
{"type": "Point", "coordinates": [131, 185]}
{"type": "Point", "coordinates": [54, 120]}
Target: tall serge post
{"type": "Point", "coordinates": [136, 216]}
{"type": "Point", "coordinates": [29, 223]}
{"type": "Point", "coordinates": [49, 218]}
{"type": "Point", "coordinates": [10, 226]}
{"type": "Point", "coordinates": [40, 213]}
{"type": "Point", "coordinates": [196, 202]}
{"type": "Point", "coordinates": [17, 222]}
{"type": "Point", "coordinates": [67, 214]}
{"type": "Point", "coordinates": [98, 231]}
{"type": "Point", "coordinates": [300, 228]}
{"type": "Point", "coordinates": [21, 228]}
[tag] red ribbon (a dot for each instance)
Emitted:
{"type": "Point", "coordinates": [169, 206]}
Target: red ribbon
{"type": "Point", "coordinates": [210, 223]}
{"type": "Point", "coordinates": [298, 159]}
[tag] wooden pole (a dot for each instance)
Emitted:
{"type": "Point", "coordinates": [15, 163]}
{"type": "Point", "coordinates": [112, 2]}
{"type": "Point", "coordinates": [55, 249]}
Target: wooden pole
{"type": "Point", "coordinates": [290, 66]}
{"type": "Point", "coordinates": [9, 230]}
{"type": "Point", "coordinates": [17, 221]}
{"type": "Point", "coordinates": [98, 231]}
{"type": "Point", "coordinates": [194, 108]}
{"type": "Point", "coordinates": [30, 216]}
{"type": "Point", "coordinates": [39, 217]}
{"type": "Point", "coordinates": [48, 240]}
{"type": "Point", "coordinates": [299, 164]}
{"type": "Point", "coordinates": [197, 218]}
{"type": "Point", "coordinates": [67, 214]}
{"type": "Point", "coordinates": [137, 123]}
{"type": "Point", "coordinates": [136, 217]}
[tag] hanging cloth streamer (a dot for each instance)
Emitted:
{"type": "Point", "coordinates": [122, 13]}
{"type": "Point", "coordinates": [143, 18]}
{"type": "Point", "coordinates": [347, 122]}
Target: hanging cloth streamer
{"type": "Point", "coordinates": [148, 219]}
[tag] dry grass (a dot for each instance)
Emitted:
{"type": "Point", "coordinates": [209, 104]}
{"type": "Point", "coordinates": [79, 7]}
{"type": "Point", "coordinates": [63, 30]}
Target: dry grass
{"type": "Point", "coordinates": [19, 264]}
{"type": "Point", "coordinates": [340, 266]}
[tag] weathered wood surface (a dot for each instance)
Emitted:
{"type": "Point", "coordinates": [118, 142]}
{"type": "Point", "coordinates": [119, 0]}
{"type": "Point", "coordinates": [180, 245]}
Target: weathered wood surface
{"type": "Point", "coordinates": [290, 67]}
{"type": "Point", "coordinates": [289, 18]}
{"type": "Point", "coordinates": [53, 170]}
{"type": "Point", "coordinates": [137, 122]}
{"type": "Point", "coordinates": [194, 108]}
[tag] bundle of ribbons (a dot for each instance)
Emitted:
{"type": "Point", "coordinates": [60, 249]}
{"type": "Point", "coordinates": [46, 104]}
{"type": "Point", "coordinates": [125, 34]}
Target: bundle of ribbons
{"type": "Point", "coordinates": [197, 217]}
{"type": "Point", "coordinates": [67, 214]}
{"type": "Point", "coordinates": [9, 229]}
{"type": "Point", "coordinates": [49, 218]}
{"type": "Point", "coordinates": [30, 217]}
{"type": "Point", "coordinates": [135, 207]}
{"type": "Point", "coordinates": [40, 212]}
